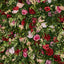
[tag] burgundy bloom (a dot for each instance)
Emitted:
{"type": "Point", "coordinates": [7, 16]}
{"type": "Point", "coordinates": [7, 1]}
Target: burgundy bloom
{"type": "Point", "coordinates": [17, 51]}
{"type": "Point", "coordinates": [3, 13]}
{"type": "Point", "coordinates": [20, 1]}
{"type": "Point", "coordinates": [31, 11]}
{"type": "Point", "coordinates": [49, 52]}
{"type": "Point", "coordinates": [5, 39]}
{"type": "Point", "coordinates": [46, 47]}
{"type": "Point", "coordinates": [57, 58]}
{"type": "Point", "coordinates": [16, 8]}
{"type": "Point", "coordinates": [31, 26]}
{"type": "Point", "coordinates": [44, 1]}
{"type": "Point", "coordinates": [47, 8]}
{"type": "Point", "coordinates": [47, 37]}
{"type": "Point", "coordinates": [8, 16]}
{"type": "Point", "coordinates": [23, 22]}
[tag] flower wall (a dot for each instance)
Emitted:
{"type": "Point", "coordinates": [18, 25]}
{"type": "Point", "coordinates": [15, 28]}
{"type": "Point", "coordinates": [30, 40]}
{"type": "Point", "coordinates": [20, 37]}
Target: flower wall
{"type": "Point", "coordinates": [32, 32]}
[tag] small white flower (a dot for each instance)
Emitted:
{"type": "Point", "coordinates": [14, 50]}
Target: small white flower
{"type": "Point", "coordinates": [14, 11]}
{"type": "Point", "coordinates": [44, 25]}
{"type": "Point", "coordinates": [49, 1]}
{"type": "Point", "coordinates": [30, 34]}
{"type": "Point", "coordinates": [11, 50]}
{"type": "Point", "coordinates": [51, 26]}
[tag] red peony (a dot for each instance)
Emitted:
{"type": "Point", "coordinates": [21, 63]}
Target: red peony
{"type": "Point", "coordinates": [49, 52]}
{"type": "Point", "coordinates": [47, 8]}
{"type": "Point", "coordinates": [46, 47]}
{"type": "Point", "coordinates": [57, 58]}
{"type": "Point", "coordinates": [47, 37]}
{"type": "Point", "coordinates": [31, 11]}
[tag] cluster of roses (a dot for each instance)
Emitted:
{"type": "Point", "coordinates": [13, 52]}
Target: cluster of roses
{"type": "Point", "coordinates": [46, 48]}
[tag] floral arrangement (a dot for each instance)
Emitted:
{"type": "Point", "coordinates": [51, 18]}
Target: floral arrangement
{"type": "Point", "coordinates": [32, 32]}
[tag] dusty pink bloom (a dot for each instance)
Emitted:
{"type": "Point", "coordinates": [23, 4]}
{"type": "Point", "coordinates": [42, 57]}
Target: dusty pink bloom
{"type": "Point", "coordinates": [38, 1]}
{"type": "Point", "coordinates": [58, 9]}
{"type": "Point", "coordinates": [42, 52]}
{"type": "Point", "coordinates": [49, 14]}
{"type": "Point", "coordinates": [24, 12]}
{"type": "Point", "coordinates": [25, 54]}
{"type": "Point", "coordinates": [0, 26]}
{"type": "Point", "coordinates": [13, 22]}
{"type": "Point", "coordinates": [51, 43]}
{"type": "Point", "coordinates": [20, 5]}
{"type": "Point", "coordinates": [48, 62]}
{"type": "Point", "coordinates": [36, 37]}
{"type": "Point", "coordinates": [28, 2]}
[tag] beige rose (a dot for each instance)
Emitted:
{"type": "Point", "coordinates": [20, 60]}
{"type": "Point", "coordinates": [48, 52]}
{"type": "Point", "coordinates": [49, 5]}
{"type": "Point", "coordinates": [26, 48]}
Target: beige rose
{"type": "Point", "coordinates": [61, 7]}
{"type": "Point", "coordinates": [39, 60]}
{"type": "Point", "coordinates": [20, 5]}
{"type": "Point", "coordinates": [21, 26]}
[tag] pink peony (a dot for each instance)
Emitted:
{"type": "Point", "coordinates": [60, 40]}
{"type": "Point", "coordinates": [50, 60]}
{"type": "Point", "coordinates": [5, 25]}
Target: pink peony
{"type": "Point", "coordinates": [24, 12]}
{"type": "Point", "coordinates": [25, 54]}
{"type": "Point", "coordinates": [36, 37]}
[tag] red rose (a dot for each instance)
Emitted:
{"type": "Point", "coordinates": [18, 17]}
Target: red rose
{"type": "Point", "coordinates": [61, 62]}
{"type": "Point", "coordinates": [46, 47]}
{"type": "Point", "coordinates": [55, 39]}
{"type": "Point", "coordinates": [17, 51]}
{"type": "Point", "coordinates": [31, 11]}
{"type": "Point", "coordinates": [4, 39]}
{"type": "Point", "coordinates": [16, 8]}
{"type": "Point", "coordinates": [31, 26]}
{"type": "Point", "coordinates": [8, 16]}
{"type": "Point", "coordinates": [57, 58]}
{"type": "Point", "coordinates": [47, 8]}
{"type": "Point", "coordinates": [23, 22]}
{"type": "Point", "coordinates": [47, 37]}
{"type": "Point", "coordinates": [32, 30]}
{"type": "Point", "coordinates": [3, 13]}
{"type": "Point", "coordinates": [49, 52]}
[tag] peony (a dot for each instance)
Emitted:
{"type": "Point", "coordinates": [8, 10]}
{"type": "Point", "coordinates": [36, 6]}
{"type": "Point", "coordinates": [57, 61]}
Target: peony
{"type": "Point", "coordinates": [11, 50]}
{"type": "Point", "coordinates": [47, 8]}
{"type": "Point", "coordinates": [24, 12]}
{"type": "Point", "coordinates": [31, 11]}
{"type": "Point", "coordinates": [36, 37]}
{"type": "Point", "coordinates": [15, 10]}
{"type": "Point", "coordinates": [46, 47]}
{"type": "Point", "coordinates": [20, 5]}
{"type": "Point", "coordinates": [49, 52]}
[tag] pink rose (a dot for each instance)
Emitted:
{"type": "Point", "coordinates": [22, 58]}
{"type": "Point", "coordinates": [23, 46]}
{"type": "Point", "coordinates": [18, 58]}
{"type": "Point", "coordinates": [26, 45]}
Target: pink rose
{"type": "Point", "coordinates": [58, 9]}
{"type": "Point", "coordinates": [25, 50]}
{"type": "Point", "coordinates": [36, 37]}
{"type": "Point", "coordinates": [25, 54]}
{"type": "Point", "coordinates": [24, 12]}
{"type": "Point", "coordinates": [42, 52]}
